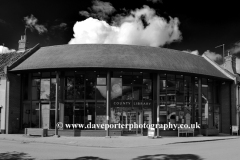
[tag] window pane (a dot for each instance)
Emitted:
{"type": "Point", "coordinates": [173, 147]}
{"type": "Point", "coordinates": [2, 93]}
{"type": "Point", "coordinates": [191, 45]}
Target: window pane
{"type": "Point", "coordinates": [26, 115]}
{"type": "Point", "coordinates": [127, 93]}
{"type": "Point", "coordinates": [35, 115]}
{"type": "Point", "coordinates": [79, 80]}
{"type": "Point", "coordinates": [45, 89]}
{"type": "Point", "coordinates": [53, 89]}
{"type": "Point", "coordinates": [36, 82]}
{"type": "Point", "coordinates": [68, 113]}
{"type": "Point", "coordinates": [127, 80]}
{"type": "Point", "coordinates": [101, 92]}
{"type": "Point", "coordinates": [79, 113]}
{"type": "Point", "coordinates": [69, 88]}
{"type": "Point", "coordinates": [147, 89]}
{"type": "Point", "coordinates": [52, 119]}
{"type": "Point", "coordinates": [101, 113]}
{"type": "Point", "coordinates": [90, 85]}
{"type": "Point", "coordinates": [137, 80]}
{"type": "Point", "coordinates": [79, 92]}
{"type": "Point", "coordinates": [35, 93]}
{"type": "Point", "coordinates": [137, 93]}
{"type": "Point", "coordinates": [90, 112]}
{"type": "Point", "coordinates": [101, 81]}
{"type": "Point", "coordinates": [116, 114]}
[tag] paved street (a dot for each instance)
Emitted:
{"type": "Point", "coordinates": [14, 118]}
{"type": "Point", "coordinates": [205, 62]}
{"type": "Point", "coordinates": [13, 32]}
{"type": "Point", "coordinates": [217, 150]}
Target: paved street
{"type": "Point", "coordinates": [217, 149]}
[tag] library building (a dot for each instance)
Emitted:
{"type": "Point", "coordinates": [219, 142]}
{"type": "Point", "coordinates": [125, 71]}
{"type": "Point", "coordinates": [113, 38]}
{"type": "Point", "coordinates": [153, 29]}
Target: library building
{"type": "Point", "coordinates": [116, 84]}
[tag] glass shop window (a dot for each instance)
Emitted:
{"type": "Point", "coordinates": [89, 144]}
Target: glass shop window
{"type": "Point", "coordinates": [68, 113]}
{"type": "Point", "coordinates": [35, 88]}
{"type": "Point", "coordinates": [137, 80]}
{"type": "Point", "coordinates": [127, 93]}
{"type": "Point", "coordinates": [69, 88]}
{"type": "Point", "coordinates": [79, 86]}
{"type": "Point", "coordinates": [35, 115]}
{"type": "Point", "coordinates": [90, 85]}
{"type": "Point", "coordinates": [137, 93]}
{"type": "Point", "coordinates": [147, 89]}
{"type": "Point", "coordinates": [127, 80]}
{"type": "Point", "coordinates": [45, 89]}
{"type": "Point", "coordinates": [101, 113]}
{"type": "Point", "coordinates": [79, 113]}
{"type": "Point", "coordinates": [101, 92]}
{"type": "Point", "coordinates": [90, 112]}
{"type": "Point", "coordinates": [53, 89]}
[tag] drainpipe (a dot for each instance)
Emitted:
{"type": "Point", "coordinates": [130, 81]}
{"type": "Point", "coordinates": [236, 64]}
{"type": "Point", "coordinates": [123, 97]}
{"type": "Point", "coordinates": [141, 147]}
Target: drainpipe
{"type": "Point", "coordinates": [6, 102]}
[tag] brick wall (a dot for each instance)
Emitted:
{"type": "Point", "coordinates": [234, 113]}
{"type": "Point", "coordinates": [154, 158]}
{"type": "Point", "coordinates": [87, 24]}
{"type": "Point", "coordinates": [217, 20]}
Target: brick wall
{"type": "Point", "coordinates": [14, 103]}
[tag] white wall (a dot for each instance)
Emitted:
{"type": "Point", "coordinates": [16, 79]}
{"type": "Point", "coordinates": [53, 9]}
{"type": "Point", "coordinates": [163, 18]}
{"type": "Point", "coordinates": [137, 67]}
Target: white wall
{"type": "Point", "coordinates": [2, 102]}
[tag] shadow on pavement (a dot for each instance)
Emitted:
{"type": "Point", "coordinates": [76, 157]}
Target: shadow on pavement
{"type": "Point", "coordinates": [169, 157]}
{"type": "Point", "coordinates": [150, 157]}
{"type": "Point", "coordinates": [86, 158]}
{"type": "Point", "coordinates": [15, 155]}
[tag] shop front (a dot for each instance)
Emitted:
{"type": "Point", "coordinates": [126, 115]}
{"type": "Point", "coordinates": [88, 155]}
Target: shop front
{"type": "Point", "coordinates": [133, 100]}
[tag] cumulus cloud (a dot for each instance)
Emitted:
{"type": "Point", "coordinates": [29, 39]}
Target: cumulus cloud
{"type": "Point", "coordinates": [213, 56]}
{"type": "Point", "coordinates": [192, 52]}
{"type": "Point", "coordinates": [4, 49]}
{"type": "Point", "coordinates": [140, 27]}
{"type": "Point", "coordinates": [99, 9]}
{"type": "Point", "coordinates": [32, 23]}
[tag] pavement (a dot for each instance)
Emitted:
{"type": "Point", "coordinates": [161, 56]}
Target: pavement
{"type": "Point", "coordinates": [112, 142]}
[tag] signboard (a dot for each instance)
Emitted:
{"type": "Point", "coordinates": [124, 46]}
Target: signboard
{"type": "Point", "coordinates": [234, 128]}
{"type": "Point", "coordinates": [129, 103]}
{"type": "Point", "coordinates": [151, 132]}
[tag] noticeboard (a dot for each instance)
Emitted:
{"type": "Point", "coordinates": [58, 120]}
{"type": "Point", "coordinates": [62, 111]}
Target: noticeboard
{"type": "Point", "coordinates": [234, 128]}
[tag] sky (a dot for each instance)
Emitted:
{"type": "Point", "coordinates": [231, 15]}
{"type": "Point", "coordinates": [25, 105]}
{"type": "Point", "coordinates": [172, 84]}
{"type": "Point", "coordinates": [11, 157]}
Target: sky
{"type": "Point", "coordinates": [195, 27]}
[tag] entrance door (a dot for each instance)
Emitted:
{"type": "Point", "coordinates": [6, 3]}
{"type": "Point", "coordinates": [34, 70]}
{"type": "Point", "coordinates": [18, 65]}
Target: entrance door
{"type": "Point", "coordinates": [45, 115]}
{"type": "Point", "coordinates": [131, 116]}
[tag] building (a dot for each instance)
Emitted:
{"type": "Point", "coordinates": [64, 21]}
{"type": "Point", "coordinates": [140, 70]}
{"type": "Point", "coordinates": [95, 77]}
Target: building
{"type": "Point", "coordinates": [111, 84]}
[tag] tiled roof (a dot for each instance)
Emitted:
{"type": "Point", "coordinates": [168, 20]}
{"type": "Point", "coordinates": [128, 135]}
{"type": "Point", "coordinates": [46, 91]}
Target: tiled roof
{"type": "Point", "coordinates": [6, 59]}
{"type": "Point", "coordinates": [118, 56]}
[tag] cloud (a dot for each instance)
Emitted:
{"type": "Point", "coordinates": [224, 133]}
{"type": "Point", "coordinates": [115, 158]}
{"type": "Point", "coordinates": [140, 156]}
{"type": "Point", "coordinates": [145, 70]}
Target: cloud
{"type": "Point", "coordinates": [192, 52]}
{"type": "Point", "coordinates": [140, 27]}
{"type": "Point", "coordinates": [156, 1]}
{"type": "Point", "coordinates": [99, 9]}
{"type": "Point", "coordinates": [61, 26]}
{"type": "Point", "coordinates": [235, 49]}
{"type": "Point", "coordinates": [4, 49]}
{"type": "Point", "coordinates": [32, 23]}
{"type": "Point", "coordinates": [213, 56]}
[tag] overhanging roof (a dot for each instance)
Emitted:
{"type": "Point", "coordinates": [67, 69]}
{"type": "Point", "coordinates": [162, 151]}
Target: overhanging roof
{"type": "Point", "coordinates": [117, 56]}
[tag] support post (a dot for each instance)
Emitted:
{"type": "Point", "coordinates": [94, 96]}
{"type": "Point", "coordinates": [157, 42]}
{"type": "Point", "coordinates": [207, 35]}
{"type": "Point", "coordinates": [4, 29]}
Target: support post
{"type": "Point", "coordinates": [108, 103]}
{"type": "Point", "coordinates": [56, 103]}
{"type": "Point", "coordinates": [158, 102]}
{"type": "Point", "coordinates": [200, 105]}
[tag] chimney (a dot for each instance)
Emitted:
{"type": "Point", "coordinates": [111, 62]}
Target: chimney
{"type": "Point", "coordinates": [230, 63]}
{"type": "Point", "coordinates": [22, 44]}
